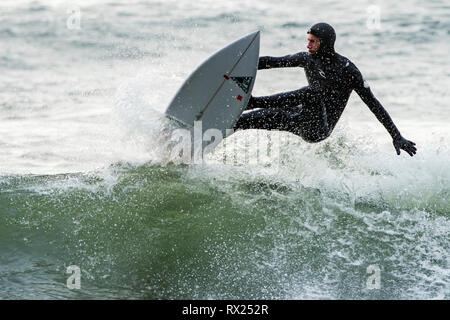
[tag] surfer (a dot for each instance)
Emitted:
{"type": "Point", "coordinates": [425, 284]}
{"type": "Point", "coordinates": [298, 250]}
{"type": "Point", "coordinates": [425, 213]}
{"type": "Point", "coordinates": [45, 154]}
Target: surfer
{"type": "Point", "coordinates": [312, 112]}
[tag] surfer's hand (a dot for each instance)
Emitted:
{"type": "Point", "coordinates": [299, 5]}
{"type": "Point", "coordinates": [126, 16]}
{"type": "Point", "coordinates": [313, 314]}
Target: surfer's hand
{"type": "Point", "coordinates": [401, 143]}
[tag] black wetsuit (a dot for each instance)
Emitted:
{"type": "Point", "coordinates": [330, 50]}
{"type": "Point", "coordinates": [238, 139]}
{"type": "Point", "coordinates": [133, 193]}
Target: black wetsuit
{"type": "Point", "coordinates": [313, 111]}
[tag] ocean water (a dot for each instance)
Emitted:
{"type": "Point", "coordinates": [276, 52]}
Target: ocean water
{"type": "Point", "coordinates": [86, 181]}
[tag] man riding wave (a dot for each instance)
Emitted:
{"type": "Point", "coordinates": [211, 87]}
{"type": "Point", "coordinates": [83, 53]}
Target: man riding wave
{"type": "Point", "coordinates": [312, 112]}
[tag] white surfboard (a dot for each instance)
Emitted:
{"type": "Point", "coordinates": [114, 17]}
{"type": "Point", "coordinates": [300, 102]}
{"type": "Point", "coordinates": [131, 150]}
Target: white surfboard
{"type": "Point", "coordinates": [214, 96]}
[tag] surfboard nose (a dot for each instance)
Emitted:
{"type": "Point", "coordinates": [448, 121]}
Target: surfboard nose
{"type": "Point", "coordinates": [253, 38]}
{"type": "Point", "coordinates": [255, 34]}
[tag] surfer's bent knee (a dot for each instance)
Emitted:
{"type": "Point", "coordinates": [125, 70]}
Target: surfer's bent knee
{"type": "Point", "coordinates": [314, 139]}
{"type": "Point", "coordinates": [311, 137]}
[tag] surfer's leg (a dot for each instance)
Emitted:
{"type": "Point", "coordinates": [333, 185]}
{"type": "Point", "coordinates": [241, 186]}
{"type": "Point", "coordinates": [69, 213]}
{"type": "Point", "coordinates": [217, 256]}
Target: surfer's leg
{"type": "Point", "coordinates": [310, 131]}
{"type": "Point", "coordinates": [276, 119]}
{"type": "Point", "coordinates": [310, 122]}
{"type": "Point", "coordinates": [282, 100]}
{"type": "Point", "coordinates": [300, 112]}
{"type": "Point", "coordinates": [268, 119]}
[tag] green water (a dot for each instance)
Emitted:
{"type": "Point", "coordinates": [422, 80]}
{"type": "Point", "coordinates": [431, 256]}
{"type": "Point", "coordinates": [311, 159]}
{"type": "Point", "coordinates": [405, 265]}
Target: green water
{"type": "Point", "coordinates": [179, 232]}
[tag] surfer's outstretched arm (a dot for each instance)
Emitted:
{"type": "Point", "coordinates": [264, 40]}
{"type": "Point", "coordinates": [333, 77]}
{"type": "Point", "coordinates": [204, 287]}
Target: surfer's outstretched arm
{"type": "Point", "coordinates": [293, 60]}
{"type": "Point", "coordinates": [366, 95]}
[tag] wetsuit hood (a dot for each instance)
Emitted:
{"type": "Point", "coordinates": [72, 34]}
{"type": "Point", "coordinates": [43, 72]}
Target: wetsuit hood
{"type": "Point", "coordinates": [327, 37]}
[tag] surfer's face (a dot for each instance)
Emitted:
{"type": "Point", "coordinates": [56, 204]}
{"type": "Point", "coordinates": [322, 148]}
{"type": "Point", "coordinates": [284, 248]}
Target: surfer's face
{"type": "Point", "coordinates": [313, 43]}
